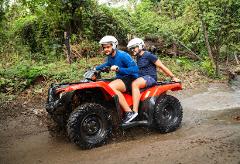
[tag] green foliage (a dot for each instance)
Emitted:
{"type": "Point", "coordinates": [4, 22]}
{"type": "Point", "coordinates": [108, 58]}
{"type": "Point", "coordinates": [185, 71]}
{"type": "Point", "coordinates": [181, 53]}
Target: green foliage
{"type": "Point", "coordinates": [23, 73]}
{"type": "Point", "coordinates": [32, 34]}
{"type": "Point", "coordinates": [207, 68]}
{"type": "Point", "coordinates": [185, 63]}
{"type": "Point", "coordinates": [107, 21]}
{"type": "Point", "coordinates": [20, 75]}
{"type": "Point", "coordinates": [26, 30]}
{"type": "Point", "coordinates": [3, 9]}
{"type": "Point", "coordinates": [144, 13]}
{"type": "Point", "coordinates": [178, 66]}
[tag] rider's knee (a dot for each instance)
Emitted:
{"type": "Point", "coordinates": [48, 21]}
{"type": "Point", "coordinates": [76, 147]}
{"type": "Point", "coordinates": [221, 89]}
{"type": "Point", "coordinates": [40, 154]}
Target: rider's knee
{"type": "Point", "coordinates": [116, 86]}
{"type": "Point", "coordinates": [135, 84]}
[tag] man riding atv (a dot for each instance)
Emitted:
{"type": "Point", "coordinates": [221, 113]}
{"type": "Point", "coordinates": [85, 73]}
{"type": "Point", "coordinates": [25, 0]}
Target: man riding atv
{"type": "Point", "coordinates": [124, 66]}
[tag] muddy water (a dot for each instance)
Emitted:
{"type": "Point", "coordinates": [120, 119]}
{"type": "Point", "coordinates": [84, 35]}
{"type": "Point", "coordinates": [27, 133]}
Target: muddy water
{"type": "Point", "coordinates": [210, 133]}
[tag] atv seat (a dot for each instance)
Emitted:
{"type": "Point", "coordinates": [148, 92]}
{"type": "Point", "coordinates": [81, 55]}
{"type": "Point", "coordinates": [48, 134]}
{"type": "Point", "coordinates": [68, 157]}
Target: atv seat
{"type": "Point", "coordinates": [142, 89]}
{"type": "Point", "coordinates": [158, 83]}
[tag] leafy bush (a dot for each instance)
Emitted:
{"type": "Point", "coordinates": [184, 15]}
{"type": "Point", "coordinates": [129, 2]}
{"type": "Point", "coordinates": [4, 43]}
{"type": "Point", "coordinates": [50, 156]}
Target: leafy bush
{"type": "Point", "coordinates": [21, 75]}
{"type": "Point", "coordinates": [185, 63]}
{"type": "Point", "coordinates": [207, 68]}
{"type": "Point", "coordinates": [107, 22]}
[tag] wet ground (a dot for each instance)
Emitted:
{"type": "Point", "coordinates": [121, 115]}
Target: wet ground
{"type": "Point", "coordinates": [210, 133]}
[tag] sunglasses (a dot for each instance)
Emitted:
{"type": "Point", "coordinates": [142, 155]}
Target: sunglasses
{"type": "Point", "coordinates": [133, 48]}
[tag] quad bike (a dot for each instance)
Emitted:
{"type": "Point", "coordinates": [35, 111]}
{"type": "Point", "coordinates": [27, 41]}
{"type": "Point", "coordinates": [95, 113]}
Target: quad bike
{"type": "Point", "coordinates": [90, 109]}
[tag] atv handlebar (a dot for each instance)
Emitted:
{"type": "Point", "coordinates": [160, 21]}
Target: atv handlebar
{"type": "Point", "coordinates": [93, 74]}
{"type": "Point", "coordinates": [105, 69]}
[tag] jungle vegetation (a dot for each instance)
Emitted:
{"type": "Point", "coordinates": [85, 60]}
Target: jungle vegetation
{"type": "Point", "coordinates": [58, 39]}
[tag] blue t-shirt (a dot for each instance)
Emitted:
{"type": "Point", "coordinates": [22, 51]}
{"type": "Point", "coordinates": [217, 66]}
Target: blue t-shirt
{"type": "Point", "coordinates": [146, 64]}
{"type": "Point", "coordinates": [127, 66]}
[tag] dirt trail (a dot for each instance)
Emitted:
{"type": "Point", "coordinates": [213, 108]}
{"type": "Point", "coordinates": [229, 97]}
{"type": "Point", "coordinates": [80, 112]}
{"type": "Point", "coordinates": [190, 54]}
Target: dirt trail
{"type": "Point", "coordinates": [210, 133]}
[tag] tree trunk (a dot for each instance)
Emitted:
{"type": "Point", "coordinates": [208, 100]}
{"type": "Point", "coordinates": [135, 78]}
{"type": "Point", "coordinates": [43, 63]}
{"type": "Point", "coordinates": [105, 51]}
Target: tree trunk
{"type": "Point", "coordinates": [175, 50]}
{"type": "Point", "coordinates": [217, 51]}
{"type": "Point", "coordinates": [236, 58]}
{"type": "Point", "coordinates": [217, 70]}
{"type": "Point", "coordinates": [205, 32]}
{"type": "Point", "coordinates": [67, 44]}
{"type": "Point", "coordinates": [174, 42]}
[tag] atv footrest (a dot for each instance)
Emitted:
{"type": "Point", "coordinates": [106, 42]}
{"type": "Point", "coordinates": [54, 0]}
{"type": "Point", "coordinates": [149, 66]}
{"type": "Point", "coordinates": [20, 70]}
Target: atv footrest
{"type": "Point", "coordinates": [134, 123]}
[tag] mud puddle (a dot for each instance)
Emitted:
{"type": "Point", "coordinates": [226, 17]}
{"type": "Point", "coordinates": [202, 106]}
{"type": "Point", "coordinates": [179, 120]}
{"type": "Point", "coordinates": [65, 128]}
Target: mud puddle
{"type": "Point", "coordinates": [210, 133]}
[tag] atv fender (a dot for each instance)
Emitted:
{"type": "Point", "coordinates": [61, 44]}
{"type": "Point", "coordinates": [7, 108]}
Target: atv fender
{"type": "Point", "coordinates": [57, 96]}
{"type": "Point", "coordinates": [82, 86]}
{"type": "Point", "coordinates": [149, 97]}
{"type": "Point", "coordinates": [160, 89]}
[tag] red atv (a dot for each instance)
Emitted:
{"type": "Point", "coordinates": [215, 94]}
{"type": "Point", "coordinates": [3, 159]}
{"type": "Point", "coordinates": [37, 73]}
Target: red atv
{"type": "Point", "coordinates": [90, 109]}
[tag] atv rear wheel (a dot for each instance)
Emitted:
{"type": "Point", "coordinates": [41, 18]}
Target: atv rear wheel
{"type": "Point", "coordinates": [168, 114]}
{"type": "Point", "coordinates": [89, 125]}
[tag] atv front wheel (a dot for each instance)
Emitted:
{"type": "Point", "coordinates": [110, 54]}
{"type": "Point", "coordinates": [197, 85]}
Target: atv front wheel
{"type": "Point", "coordinates": [89, 125]}
{"type": "Point", "coordinates": [168, 114]}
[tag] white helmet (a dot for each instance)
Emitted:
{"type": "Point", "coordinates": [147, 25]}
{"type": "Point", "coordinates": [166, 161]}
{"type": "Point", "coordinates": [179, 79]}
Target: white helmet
{"type": "Point", "coordinates": [109, 40]}
{"type": "Point", "coordinates": [136, 42]}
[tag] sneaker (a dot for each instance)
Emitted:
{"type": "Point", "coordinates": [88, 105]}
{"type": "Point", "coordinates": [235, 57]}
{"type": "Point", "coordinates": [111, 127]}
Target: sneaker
{"type": "Point", "coordinates": [129, 116]}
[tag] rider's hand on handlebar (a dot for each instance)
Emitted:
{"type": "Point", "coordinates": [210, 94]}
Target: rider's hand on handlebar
{"type": "Point", "coordinates": [114, 68]}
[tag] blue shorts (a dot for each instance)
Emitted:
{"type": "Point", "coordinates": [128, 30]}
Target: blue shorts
{"type": "Point", "coordinates": [149, 80]}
